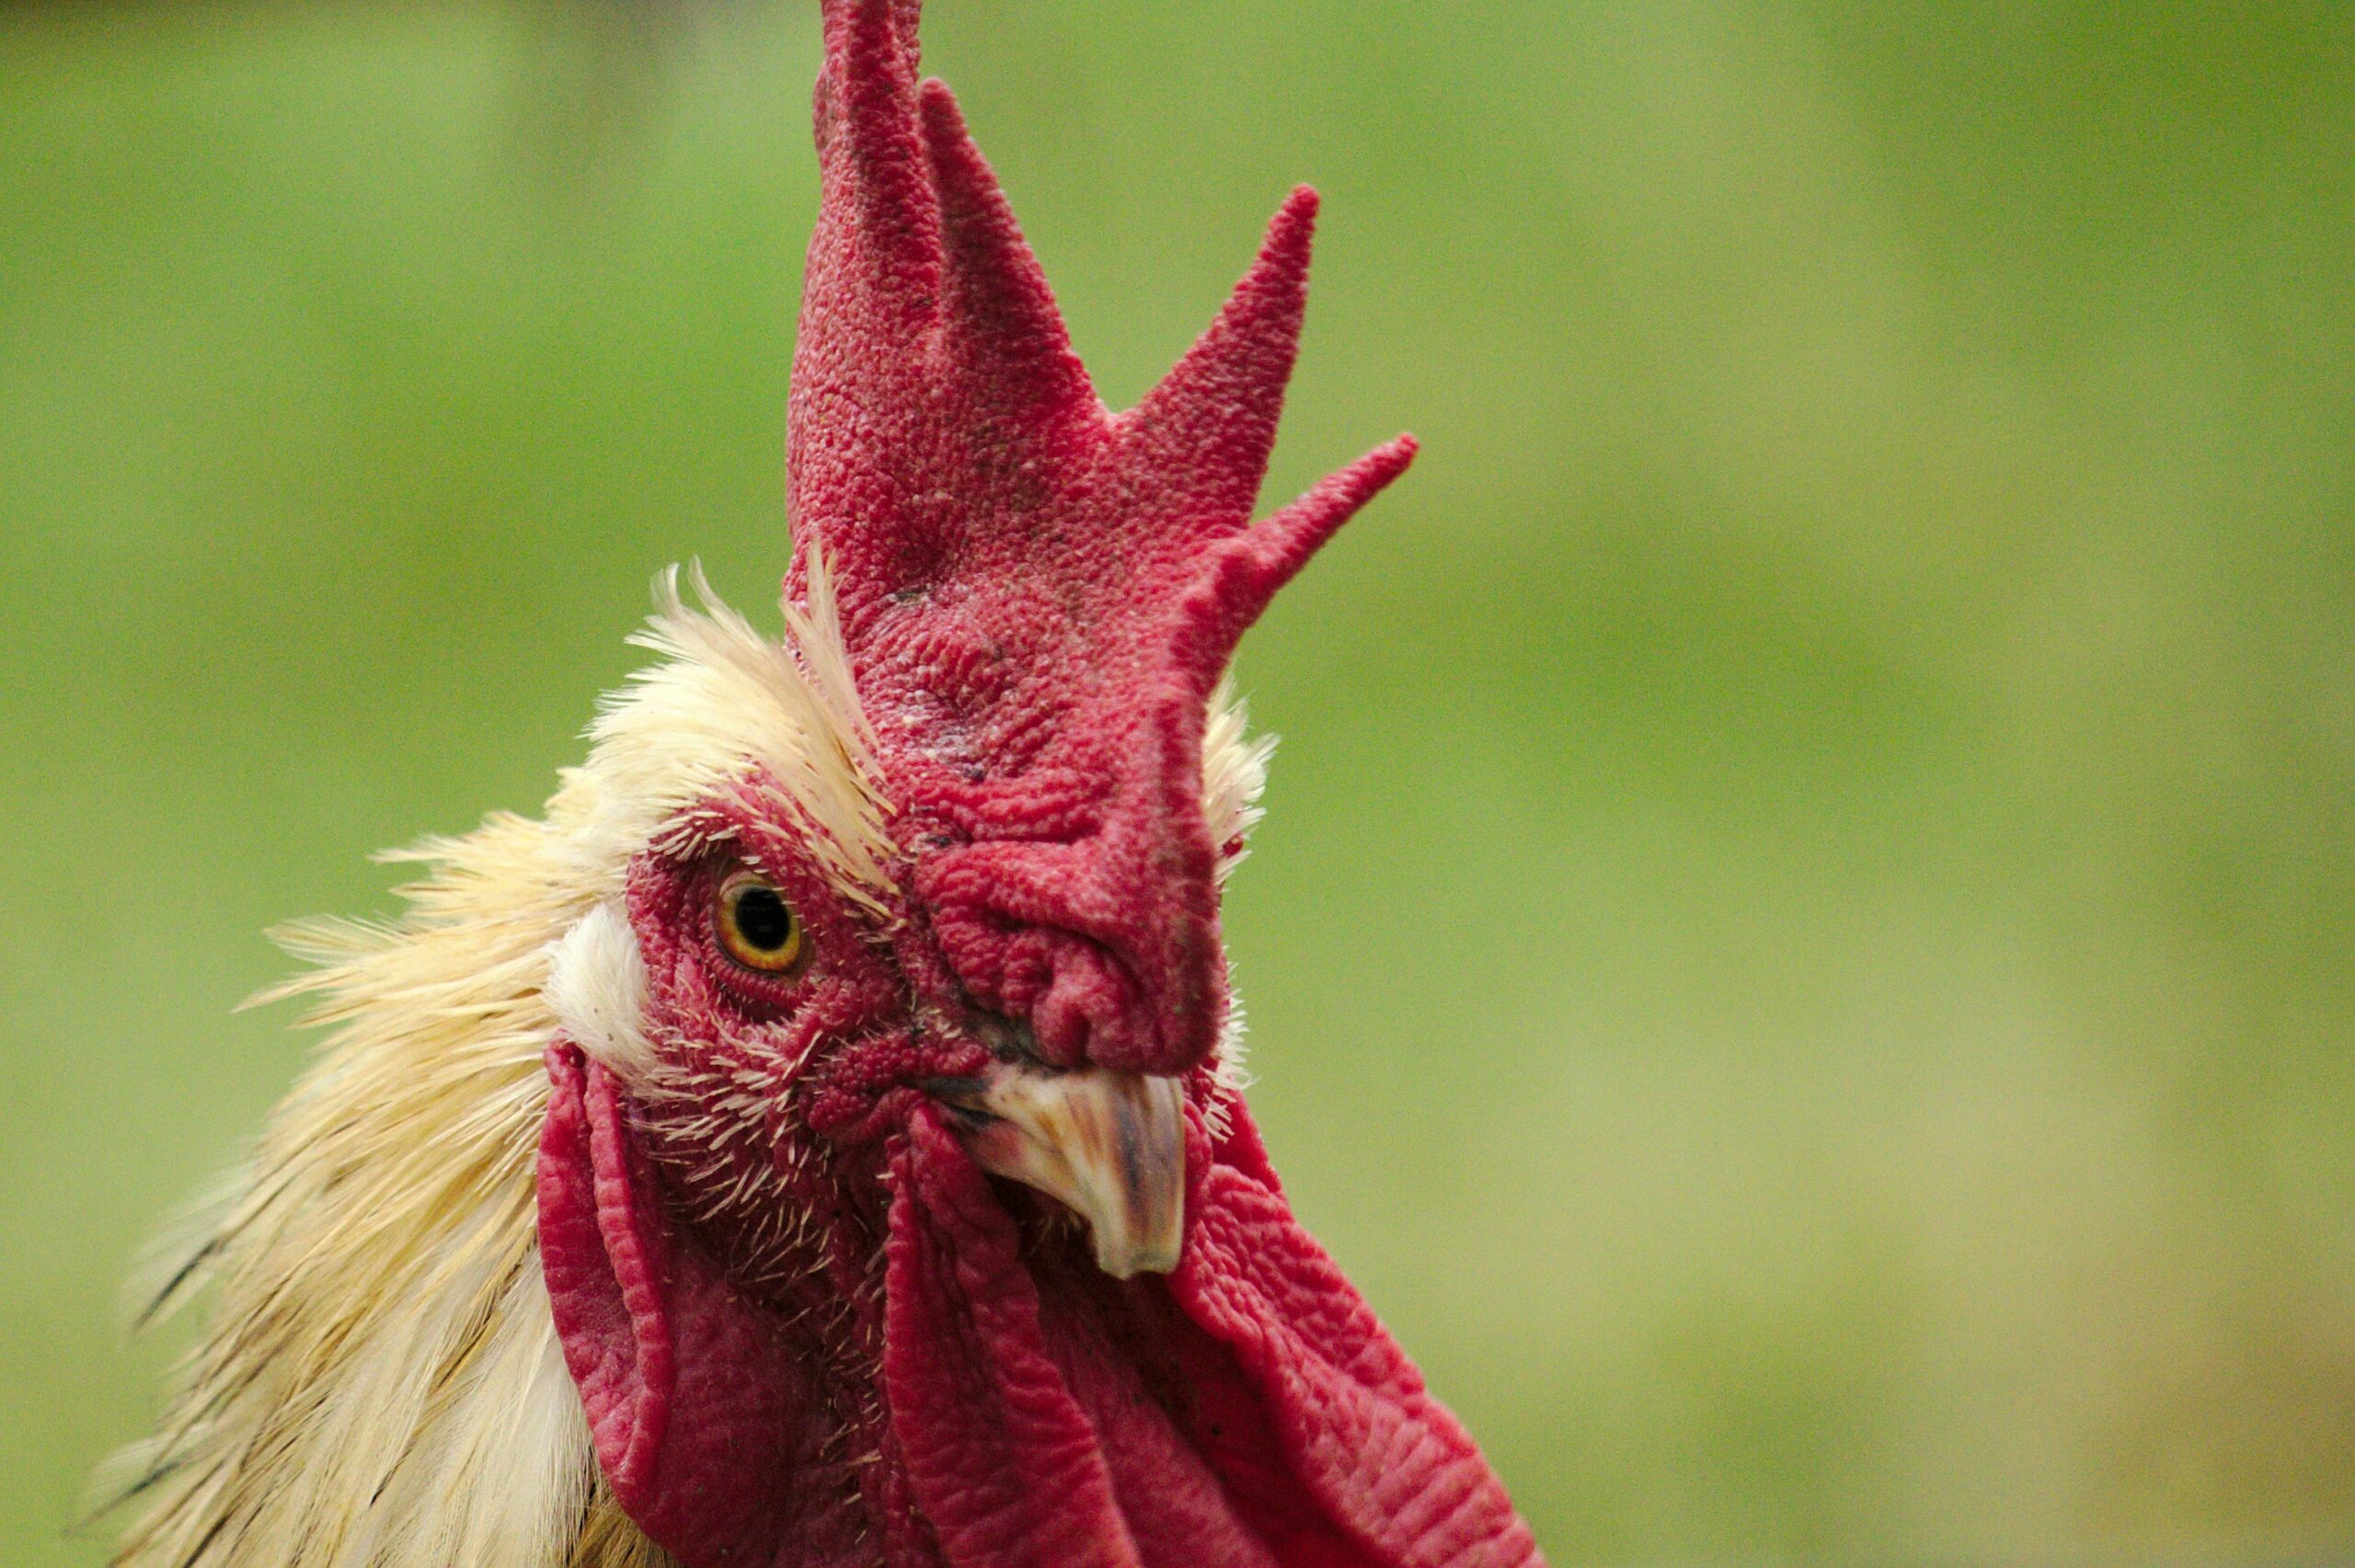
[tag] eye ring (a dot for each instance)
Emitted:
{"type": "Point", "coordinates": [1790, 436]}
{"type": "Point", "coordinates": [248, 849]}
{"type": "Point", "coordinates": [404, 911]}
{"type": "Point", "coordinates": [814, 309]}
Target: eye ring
{"type": "Point", "coordinates": [756, 927]}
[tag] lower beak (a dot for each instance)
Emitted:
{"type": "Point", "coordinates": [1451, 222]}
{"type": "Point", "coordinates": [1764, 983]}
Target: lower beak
{"type": "Point", "coordinates": [1111, 1145]}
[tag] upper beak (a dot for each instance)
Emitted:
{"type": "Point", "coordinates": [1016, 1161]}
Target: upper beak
{"type": "Point", "coordinates": [1111, 1145]}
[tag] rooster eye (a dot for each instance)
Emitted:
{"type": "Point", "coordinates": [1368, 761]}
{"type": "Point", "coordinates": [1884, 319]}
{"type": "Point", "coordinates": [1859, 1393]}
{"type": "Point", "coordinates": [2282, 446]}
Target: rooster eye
{"type": "Point", "coordinates": [756, 926]}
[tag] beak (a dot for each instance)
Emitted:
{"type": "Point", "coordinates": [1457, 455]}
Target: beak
{"type": "Point", "coordinates": [1111, 1145]}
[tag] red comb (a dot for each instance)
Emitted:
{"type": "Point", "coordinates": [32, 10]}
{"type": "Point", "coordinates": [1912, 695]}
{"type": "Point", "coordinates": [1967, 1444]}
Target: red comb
{"type": "Point", "coordinates": [1037, 594]}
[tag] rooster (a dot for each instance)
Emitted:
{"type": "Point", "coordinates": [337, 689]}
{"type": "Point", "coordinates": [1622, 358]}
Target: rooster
{"type": "Point", "coordinates": [818, 1140]}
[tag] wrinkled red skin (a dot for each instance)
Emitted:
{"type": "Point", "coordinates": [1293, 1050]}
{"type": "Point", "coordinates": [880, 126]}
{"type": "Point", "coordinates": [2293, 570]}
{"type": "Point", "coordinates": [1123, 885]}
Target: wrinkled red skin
{"type": "Point", "coordinates": [806, 1329]}
{"type": "Point", "coordinates": [992, 1400]}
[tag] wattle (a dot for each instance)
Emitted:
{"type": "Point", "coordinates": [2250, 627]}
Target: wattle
{"type": "Point", "coordinates": [1246, 1410]}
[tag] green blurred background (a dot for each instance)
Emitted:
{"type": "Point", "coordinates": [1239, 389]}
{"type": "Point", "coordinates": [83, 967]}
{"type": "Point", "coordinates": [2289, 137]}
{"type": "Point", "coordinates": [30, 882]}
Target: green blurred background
{"type": "Point", "coordinates": [1805, 952]}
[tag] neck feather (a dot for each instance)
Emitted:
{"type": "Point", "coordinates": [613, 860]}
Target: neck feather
{"type": "Point", "coordinates": [380, 1385]}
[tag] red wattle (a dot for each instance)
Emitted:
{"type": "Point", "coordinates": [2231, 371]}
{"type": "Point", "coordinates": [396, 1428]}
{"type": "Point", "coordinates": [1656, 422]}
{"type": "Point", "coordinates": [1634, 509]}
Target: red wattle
{"type": "Point", "coordinates": [709, 1427]}
{"type": "Point", "coordinates": [1246, 1413]}
{"type": "Point", "coordinates": [1349, 1415]}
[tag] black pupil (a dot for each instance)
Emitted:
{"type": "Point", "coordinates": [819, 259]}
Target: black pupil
{"type": "Point", "coordinates": [763, 918]}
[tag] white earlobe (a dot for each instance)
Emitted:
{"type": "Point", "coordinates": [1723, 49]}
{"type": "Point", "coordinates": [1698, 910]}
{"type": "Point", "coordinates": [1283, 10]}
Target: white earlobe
{"type": "Point", "coordinates": [596, 986]}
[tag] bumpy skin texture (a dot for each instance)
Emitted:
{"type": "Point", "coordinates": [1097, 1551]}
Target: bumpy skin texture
{"type": "Point", "coordinates": [1037, 594]}
{"type": "Point", "coordinates": [805, 1327]}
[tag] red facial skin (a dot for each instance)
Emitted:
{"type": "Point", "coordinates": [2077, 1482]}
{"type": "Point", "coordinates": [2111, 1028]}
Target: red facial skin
{"type": "Point", "coordinates": [807, 1328]}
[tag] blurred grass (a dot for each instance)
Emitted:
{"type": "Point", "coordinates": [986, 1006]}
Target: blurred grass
{"type": "Point", "coordinates": [1802, 957]}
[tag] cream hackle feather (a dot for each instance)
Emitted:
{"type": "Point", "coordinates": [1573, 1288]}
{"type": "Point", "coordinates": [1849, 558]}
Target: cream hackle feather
{"type": "Point", "coordinates": [380, 1384]}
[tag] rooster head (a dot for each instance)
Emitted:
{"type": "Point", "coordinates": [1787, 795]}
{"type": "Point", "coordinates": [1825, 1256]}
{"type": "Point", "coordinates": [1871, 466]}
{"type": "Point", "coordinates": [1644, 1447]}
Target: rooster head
{"type": "Point", "coordinates": [895, 1201]}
